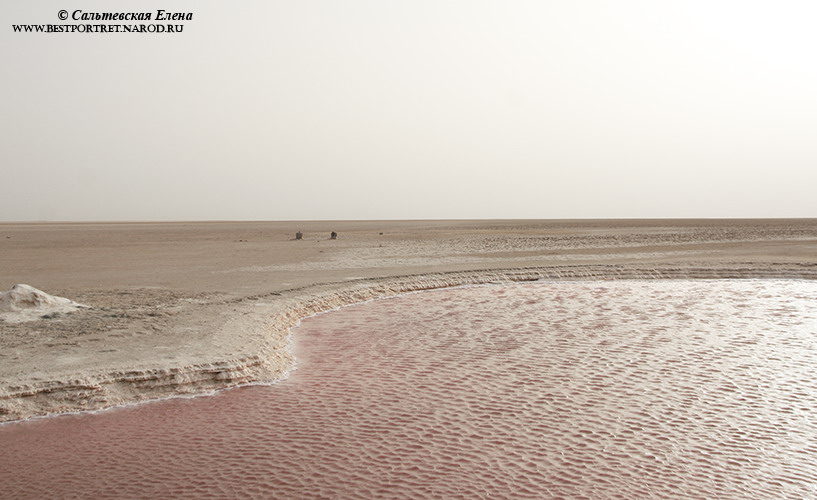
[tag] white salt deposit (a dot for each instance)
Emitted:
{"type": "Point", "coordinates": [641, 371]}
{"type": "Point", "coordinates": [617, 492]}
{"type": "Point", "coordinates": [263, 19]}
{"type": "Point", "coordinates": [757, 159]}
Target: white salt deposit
{"type": "Point", "coordinates": [26, 303]}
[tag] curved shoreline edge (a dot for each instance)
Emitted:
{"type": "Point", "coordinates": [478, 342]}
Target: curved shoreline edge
{"type": "Point", "coordinates": [266, 355]}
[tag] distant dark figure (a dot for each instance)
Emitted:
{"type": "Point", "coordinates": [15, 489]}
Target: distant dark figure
{"type": "Point", "coordinates": [299, 235]}
{"type": "Point", "coordinates": [333, 235]}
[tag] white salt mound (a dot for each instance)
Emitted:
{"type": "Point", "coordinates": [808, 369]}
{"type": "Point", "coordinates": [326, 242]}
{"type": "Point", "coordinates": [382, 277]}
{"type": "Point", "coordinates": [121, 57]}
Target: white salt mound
{"type": "Point", "coordinates": [26, 303]}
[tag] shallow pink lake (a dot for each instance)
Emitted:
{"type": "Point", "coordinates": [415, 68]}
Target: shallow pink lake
{"type": "Point", "coordinates": [623, 389]}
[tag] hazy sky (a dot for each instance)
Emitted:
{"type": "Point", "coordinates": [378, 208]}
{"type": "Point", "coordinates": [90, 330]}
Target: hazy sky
{"type": "Point", "coordinates": [390, 109]}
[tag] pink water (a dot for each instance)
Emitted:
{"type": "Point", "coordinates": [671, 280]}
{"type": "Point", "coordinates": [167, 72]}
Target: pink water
{"type": "Point", "coordinates": [630, 389]}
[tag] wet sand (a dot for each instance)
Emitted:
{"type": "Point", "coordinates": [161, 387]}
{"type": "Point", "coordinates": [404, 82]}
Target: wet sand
{"type": "Point", "coordinates": [185, 308]}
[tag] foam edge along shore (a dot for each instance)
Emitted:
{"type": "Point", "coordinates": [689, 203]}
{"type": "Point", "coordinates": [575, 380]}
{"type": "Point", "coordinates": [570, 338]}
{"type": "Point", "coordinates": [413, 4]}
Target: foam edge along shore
{"type": "Point", "coordinates": [268, 358]}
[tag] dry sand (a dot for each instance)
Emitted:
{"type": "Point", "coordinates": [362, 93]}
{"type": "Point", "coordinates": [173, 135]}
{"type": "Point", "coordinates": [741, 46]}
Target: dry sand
{"type": "Point", "coordinates": [186, 308]}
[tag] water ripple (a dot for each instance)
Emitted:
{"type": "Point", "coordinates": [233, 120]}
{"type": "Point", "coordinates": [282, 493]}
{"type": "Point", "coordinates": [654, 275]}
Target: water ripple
{"type": "Point", "coordinates": [626, 389]}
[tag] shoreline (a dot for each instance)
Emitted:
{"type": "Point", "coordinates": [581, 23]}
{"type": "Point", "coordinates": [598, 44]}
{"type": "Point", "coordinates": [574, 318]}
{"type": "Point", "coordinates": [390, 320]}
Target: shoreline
{"type": "Point", "coordinates": [188, 308]}
{"type": "Point", "coordinates": [270, 359]}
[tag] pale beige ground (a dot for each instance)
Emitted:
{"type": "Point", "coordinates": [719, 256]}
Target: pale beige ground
{"type": "Point", "coordinates": [190, 307]}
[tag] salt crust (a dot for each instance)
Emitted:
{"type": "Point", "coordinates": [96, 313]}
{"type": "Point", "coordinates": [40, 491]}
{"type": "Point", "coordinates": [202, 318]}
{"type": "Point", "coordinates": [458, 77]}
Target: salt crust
{"type": "Point", "coordinates": [26, 303]}
{"type": "Point", "coordinates": [268, 357]}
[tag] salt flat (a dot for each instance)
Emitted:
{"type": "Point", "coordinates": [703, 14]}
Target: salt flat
{"type": "Point", "coordinates": [189, 307]}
